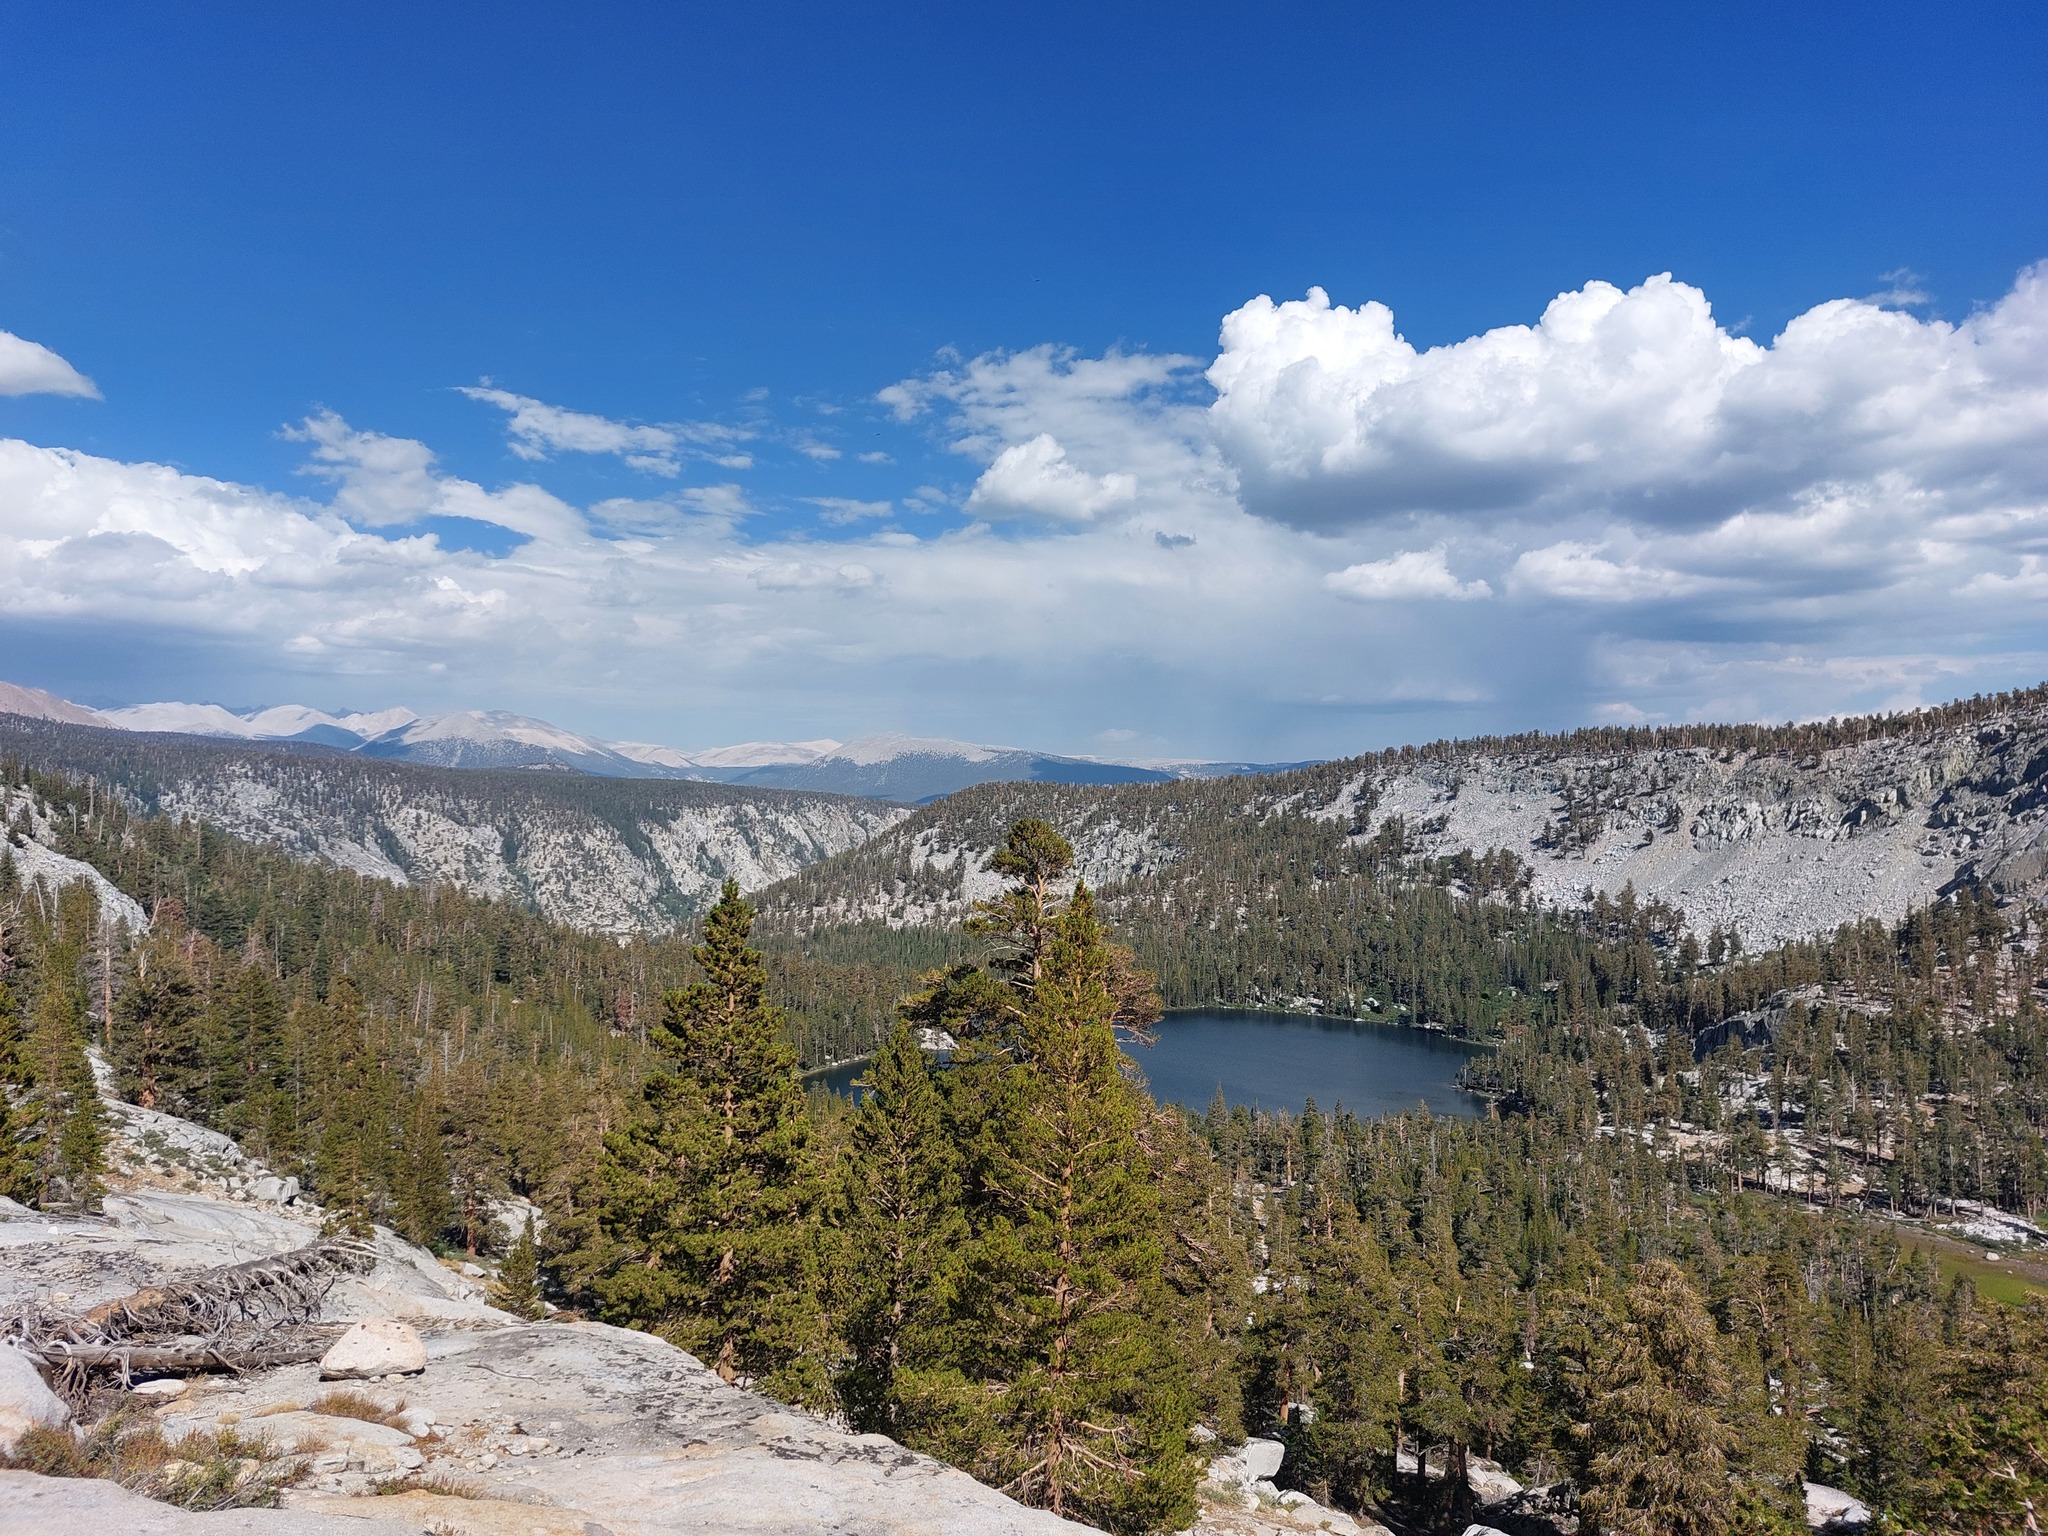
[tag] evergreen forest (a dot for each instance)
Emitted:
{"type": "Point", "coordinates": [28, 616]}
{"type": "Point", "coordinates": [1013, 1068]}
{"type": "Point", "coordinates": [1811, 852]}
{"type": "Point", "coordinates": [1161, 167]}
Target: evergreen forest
{"type": "Point", "coordinates": [1676, 1269]}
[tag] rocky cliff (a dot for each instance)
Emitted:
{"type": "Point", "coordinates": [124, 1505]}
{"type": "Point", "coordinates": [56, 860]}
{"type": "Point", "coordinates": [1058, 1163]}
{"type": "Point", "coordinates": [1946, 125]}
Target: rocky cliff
{"type": "Point", "coordinates": [1776, 833]}
{"type": "Point", "coordinates": [605, 855]}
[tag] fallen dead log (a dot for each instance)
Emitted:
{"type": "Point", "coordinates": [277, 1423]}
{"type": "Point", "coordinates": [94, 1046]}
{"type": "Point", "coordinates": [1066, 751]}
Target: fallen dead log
{"type": "Point", "coordinates": [280, 1288]}
{"type": "Point", "coordinates": [234, 1317]}
{"type": "Point", "coordinates": [181, 1359]}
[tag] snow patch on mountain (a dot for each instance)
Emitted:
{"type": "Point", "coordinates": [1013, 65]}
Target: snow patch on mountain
{"type": "Point", "coordinates": [747, 754]}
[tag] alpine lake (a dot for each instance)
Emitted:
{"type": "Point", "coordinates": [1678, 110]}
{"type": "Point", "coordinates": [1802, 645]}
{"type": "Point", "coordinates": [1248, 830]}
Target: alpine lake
{"type": "Point", "coordinates": [1279, 1061]}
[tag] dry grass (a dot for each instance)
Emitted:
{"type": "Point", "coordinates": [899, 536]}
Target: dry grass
{"type": "Point", "coordinates": [201, 1471]}
{"type": "Point", "coordinates": [446, 1484]}
{"type": "Point", "coordinates": [346, 1404]}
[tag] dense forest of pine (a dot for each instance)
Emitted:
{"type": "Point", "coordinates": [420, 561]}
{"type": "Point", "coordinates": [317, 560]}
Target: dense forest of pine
{"type": "Point", "coordinates": [1017, 1262]}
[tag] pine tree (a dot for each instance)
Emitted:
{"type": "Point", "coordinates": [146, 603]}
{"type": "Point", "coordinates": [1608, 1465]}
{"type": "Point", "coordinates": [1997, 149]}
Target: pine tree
{"type": "Point", "coordinates": [1207, 1269]}
{"type": "Point", "coordinates": [253, 1064]}
{"type": "Point", "coordinates": [1087, 1405]}
{"type": "Point", "coordinates": [1341, 1354]}
{"type": "Point", "coordinates": [517, 1289]}
{"type": "Point", "coordinates": [351, 1164]}
{"type": "Point", "coordinates": [158, 1050]}
{"type": "Point", "coordinates": [904, 1222]}
{"type": "Point", "coordinates": [1657, 1435]}
{"type": "Point", "coordinates": [16, 1169]}
{"type": "Point", "coordinates": [66, 1134]}
{"type": "Point", "coordinates": [706, 1220]}
{"type": "Point", "coordinates": [1021, 921]}
{"type": "Point", "coordinates": [421, 1207]}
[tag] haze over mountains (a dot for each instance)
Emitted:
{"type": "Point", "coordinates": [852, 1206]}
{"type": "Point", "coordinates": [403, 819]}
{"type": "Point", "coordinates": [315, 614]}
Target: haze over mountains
{"type": "Point", "coordinates": [885, 767]}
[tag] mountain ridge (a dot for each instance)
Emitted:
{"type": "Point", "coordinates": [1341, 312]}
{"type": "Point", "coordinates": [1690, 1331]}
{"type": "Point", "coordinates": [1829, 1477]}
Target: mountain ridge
{"type": "Point", "coordinates": [1779, 833]}
{"type": "Point", "coordinates": [887, 766]}
{"type": "Point", "coordinates": [608, 855]}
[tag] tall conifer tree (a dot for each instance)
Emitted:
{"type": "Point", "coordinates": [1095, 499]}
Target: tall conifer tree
{"type": "Point", "coordinates": [517, 1289]}
{"type": "Point", "coordinates": [904, 1220]}
{"type": "Point", "coordinates": [15, 1166]}
{"type": "Point", "coordinates": [706, 1224]}
{"type": "Point", "coordinates": [1657, 1434]}
{"type": "Point", "coordinates": [1088, 1405]}
{"type": "Point", "coordinates": [67, 1137]}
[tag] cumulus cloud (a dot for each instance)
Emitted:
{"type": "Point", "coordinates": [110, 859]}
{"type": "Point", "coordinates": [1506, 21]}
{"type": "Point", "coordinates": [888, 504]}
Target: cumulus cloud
{"type": "Point", "coordinates": [539, 430]}
{"type": "Point", "coordinates": [1413, 573]}
{"type": "Point", "coordinates": [30, 368]}
{"type": "Point", "coordinates": [1634, 401]}
{"type": "Point", "coordinates": [1035, 479]}
{"type": "Point", "coordinates": [726, 503]}
{"type": "Point", "coordinates": [812, 575]}
{"type": "Point", "coordinates": [387, 481]}
{"type": "Point", "coordinates": [1620, 511]}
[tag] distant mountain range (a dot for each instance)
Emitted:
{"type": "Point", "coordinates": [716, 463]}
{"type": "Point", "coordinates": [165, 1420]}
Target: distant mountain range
{"type": "Point", "coordinates": [911, 769]}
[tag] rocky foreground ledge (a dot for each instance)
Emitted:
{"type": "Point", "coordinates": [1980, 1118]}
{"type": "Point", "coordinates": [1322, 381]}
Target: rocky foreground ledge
{"type": "Point", "coordinates": [510, 1429]}
{"type": "Point", "coordinates": [555, 1429]}
{"type": "Point", "coordinates": [573, 1428]}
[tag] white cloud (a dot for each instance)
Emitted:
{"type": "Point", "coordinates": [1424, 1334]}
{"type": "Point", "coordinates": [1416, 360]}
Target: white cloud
{"type": "Point", "coordinates": [1584, 573]}
{"type": "Point", "coordinates": [1667, 522]}
{"type": "Point", "coordinates": [387, 481]}
{"type": "Point", "coordinates": [30, 368]}
{"type": "Point", "coordinates": [1413, 573]}
{"type": "Point", "coordinates": [538, 429]}
{"type": "Point", "coordinates": [1035, 479]}
{"type": "Point", "coordinates": [840, 510]}
{"type": "Point", "coordinates": [726, 502]}
{"type": "Point", "coordinates": [812, 575]}
{"type": "Point", "coordinates": [1634, 402]}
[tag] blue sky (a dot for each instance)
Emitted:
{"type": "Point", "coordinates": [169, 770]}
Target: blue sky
{"type": "Point", "coordinates": [750, 245]}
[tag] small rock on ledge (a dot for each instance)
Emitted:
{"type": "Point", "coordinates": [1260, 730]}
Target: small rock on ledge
{"type": "Point", "coordinates": [377, 1346]}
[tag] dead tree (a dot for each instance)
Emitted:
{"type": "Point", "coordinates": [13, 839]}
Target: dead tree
{"type": "Point", "coordinates": [236, 1317]}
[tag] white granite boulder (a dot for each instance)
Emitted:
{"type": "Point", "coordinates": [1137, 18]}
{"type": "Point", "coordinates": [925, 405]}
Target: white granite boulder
{"type": "Point", "coordinates": [1830, 1509]}
{"type": "Point", "coordinates": [1489, 1482]}
{"type": "Point", "coordinates": [1254, 1461]}
{"type": "Point", "coordinates": [377, 1346]}
{"type": "Point", "coordinates": [26, 1401]}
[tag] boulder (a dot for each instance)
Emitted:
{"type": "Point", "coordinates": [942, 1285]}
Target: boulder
{"type": "Point", "coordinates": [1253, 1462]}
{"type": "Point", "coordinates": [1489, 1482]}
{"type": "Point", "coordinates": [377, 1346]}
{"type": "Point", "coordinates": [26, 1401]}
{"type": "Point", "coordinates": [161, 1390]}
{"type": "Point", "coordinates": [1549, 1510]}
{"type": "Point", "coordinates": [1832, 1510]}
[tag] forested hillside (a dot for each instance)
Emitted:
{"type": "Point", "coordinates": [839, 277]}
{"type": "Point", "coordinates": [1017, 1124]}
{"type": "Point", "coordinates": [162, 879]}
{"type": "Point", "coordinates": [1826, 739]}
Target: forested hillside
{"type": "Point", "coordinates": [607, 855]}
{"type": "Point", "coordinates": [1691, 1256]}
{"type": "Point", "coordinates": [448, 1046]}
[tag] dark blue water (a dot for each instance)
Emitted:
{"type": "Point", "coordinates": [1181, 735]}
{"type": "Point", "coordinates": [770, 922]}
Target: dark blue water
{"type": "Point", "coordinates": [1277, 1060]}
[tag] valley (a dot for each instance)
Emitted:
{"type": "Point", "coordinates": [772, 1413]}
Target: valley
{"type": "Point", "coordinates": [1794, 1136]}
